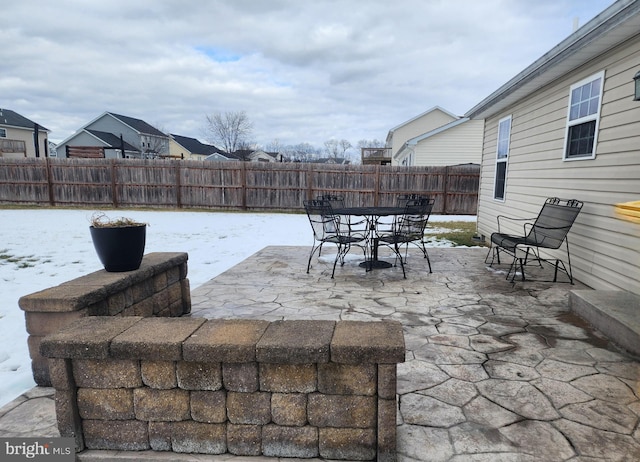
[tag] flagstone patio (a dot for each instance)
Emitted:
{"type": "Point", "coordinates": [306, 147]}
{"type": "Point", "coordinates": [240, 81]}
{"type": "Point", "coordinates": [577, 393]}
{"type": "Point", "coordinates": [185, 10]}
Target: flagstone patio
{"type": "Point", "coordinates": [494, 371]}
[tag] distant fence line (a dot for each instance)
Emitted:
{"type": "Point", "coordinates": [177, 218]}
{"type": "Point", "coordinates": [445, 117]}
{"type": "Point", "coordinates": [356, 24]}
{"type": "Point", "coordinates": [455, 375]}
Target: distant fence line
{"type": "Point", "coordinates": [129, 183]}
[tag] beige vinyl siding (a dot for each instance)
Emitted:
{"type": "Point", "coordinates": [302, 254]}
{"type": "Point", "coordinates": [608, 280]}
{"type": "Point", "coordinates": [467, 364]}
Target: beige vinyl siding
{"type": "Point", "coordinates": [461, 144]}
{"type": "Point", "coordinates": [26, 135]}
{"type": "Point", "coordinates": [419, 126]}
{"type": "Point", "coordinates": [605, 249]}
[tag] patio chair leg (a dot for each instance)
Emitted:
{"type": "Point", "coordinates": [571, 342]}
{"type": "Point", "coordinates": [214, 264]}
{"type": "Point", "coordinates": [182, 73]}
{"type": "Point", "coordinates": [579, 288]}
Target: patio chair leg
{"type": "Point", "coordinates": [313, 250]}
{"type": "Point", "coordinates": [399, 256]}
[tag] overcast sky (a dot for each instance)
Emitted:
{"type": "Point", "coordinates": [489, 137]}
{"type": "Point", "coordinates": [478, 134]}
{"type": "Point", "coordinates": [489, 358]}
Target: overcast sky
{"type": "Point", "coordinates": [304, 71]}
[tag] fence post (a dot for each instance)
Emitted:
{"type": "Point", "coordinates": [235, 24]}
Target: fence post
{"type": "Point", "coordinates": [243, 179]}
{"type": "Point", "coordinates": [114, 186]}
{"type": "Point", "coordinates": [376, 196]}
{"type": "Point", "coordinates": [310, 181]}
{"type": "Point", "coordinates": [178, 185]}
{"type": "Point", "coordinates": [446, 190]}
{"type": "Point", "coordinates": [52, 201]}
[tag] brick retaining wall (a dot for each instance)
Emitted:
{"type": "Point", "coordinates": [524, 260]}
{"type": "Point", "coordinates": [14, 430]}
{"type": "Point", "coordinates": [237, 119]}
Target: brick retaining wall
{"type": "Point", "coordinates": [158, 288]}
{"type": "Point", "coordinates": [246, 387]}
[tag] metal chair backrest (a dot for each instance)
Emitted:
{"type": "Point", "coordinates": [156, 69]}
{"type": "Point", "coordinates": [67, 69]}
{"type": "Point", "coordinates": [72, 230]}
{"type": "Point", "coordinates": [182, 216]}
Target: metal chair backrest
{"type": "Point", "coordinates": [336, 201]}
{"type": "Point", "coordinates": [323, 221]}
{"type": "Point", "coordinates": [402, 199]}
{"type": "Point", "coordinates": [413, 221]}
{"type": "Point", "coordinates": [554, 222]}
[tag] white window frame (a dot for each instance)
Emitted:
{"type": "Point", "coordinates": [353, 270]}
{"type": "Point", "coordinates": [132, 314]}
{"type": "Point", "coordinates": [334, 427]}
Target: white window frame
{"type": "Point", "coordinates": [502, 156]}
{"type": "Point", "coordinates": [595, 116]}
{"type": "Point", "coordinates": [3, 132]}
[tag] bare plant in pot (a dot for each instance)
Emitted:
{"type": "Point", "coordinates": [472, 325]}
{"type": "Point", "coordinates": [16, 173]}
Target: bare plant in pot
{"type": "Point", "coordinates": [119, 242]}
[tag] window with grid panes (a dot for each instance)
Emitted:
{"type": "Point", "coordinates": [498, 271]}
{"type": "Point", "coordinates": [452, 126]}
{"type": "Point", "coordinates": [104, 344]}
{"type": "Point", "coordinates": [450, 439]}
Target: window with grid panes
{"type": "Point", "coordinates": [583, 117]}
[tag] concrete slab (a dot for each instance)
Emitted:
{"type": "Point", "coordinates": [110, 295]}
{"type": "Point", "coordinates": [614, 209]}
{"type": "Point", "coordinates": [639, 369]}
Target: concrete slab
{"type": "Point", "coordinates": [614, 313]}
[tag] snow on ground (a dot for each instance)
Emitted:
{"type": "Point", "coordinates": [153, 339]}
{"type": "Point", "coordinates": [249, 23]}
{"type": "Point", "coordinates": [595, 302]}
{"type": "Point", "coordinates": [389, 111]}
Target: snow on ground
{"type": "Point", "coordinates": [41, 248]}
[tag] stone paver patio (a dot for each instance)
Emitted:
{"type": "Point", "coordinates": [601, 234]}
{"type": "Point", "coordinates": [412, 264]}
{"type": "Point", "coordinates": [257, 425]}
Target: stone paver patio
{"type": "Point", "coordinates": [494, 371]}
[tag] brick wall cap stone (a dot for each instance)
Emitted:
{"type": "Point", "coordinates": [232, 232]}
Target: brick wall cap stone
{"type": "Point", "coordinates": [158, 339]}
{"type": "Point", "coordinates": [296, 342]}
{"type": "Point", "coordinates": [358, 342]}
{"type": "Point", "coordinates": [227, 340]}
{"type": "Point", "coordinates": [86, 338]}
{"type": "Point", "coordinates": [93, 287]}
{"type": "Point", "coordinates": [63, 298]}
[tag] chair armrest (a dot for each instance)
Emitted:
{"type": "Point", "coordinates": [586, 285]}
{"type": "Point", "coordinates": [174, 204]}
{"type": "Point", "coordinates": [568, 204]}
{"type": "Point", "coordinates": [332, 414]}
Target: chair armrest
{"type": "Point", "coordinates": [504, 217]}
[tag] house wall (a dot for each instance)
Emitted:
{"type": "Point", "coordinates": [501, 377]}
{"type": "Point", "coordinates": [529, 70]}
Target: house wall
{"type": "Point", "coordinates": [108, 124]}
{"type": "Point", "coordinates": [177, 150]}
{"type": "Point", "coordinates": [605, 249]}
{"type": "Point", "coordinates": [417, 127]}
{"type": "Point", "coordinates": [459, 145]}
{"type": "Point", "coordinates": [26, 135]}
{"type": "Point", "coordinates": [81, 139]}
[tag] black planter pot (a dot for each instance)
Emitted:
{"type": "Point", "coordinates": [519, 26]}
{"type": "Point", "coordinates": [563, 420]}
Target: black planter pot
{"type": "Point", "coordinates": [120, 249]}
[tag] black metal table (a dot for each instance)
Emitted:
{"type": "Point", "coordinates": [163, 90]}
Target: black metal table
{"type": "Point", "coordinates": [372, 214]}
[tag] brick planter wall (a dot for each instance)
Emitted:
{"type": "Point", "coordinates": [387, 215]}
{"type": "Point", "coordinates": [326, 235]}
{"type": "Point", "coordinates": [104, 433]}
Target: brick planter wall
{"type": "Point", "coordinates": [158, 288]}
{"type": "Point", "coordinates": [246, 387]}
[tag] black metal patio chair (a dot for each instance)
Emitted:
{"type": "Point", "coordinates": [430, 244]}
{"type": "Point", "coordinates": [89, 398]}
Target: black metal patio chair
{"type": "Point", "coordinates": [547, 231]}
{"type": "Point", "coordinates": [335, 200]}
{"type": "Point", "coordinates": [402, 199]}
{"type": "Point", "coordinates": [408, 228]}
{"type": "Point", "coordinates": [349, 224]}
{"type": "Point", "coordinates": [327, 228]}
{"type": "Point", "coordinates": [420, 243]}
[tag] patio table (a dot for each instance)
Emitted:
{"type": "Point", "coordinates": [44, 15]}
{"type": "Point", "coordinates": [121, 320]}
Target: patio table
{"type": "Point", "coordinates": [372, 215]}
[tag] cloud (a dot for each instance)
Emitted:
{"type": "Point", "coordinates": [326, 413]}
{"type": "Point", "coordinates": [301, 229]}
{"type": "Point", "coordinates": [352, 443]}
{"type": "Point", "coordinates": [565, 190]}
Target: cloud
{"type": "Point", "coordinates": [303, 71]}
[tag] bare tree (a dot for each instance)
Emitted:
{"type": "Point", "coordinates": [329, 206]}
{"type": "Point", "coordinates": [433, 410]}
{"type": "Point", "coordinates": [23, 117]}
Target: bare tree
{"type": "Point", "coordinates": [335, 148]}
{"type": "Point", "coordinates": [230, 130]}
{"type": "Point", "coordinates": [331, 147]}
{"type": "Point", "coordinates": [303, 152]}
{"type": "Point", "coordinates": [370, 144]}
{"type": "Point", "coordinates": [274, 146]}
{"type": "Point", "coordinates": [344, 146]}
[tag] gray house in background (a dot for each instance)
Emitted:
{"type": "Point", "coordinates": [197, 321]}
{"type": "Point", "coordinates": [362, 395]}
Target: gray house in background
{"type": "Point", "coordinates": [116, 135]}
{"type": "Point", "coordinates": [568, 126]}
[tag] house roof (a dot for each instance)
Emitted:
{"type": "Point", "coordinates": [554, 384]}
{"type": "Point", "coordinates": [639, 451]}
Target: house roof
{"type": "Point", "coordinates": [417, 139]}
{"type": "Point", "coordinates": [614, 25]}
{"type": "Point", "coordinates": [13, 119]}
{"type": "Point", "coordinates": [195, 146]}
{"type": "Point", "coordinates": [434, 108]}
{"type": "Point", "coordinates": [111, 140]}
{"type": "Point", "coordinates": [136, 124]}
{"type": "Point", "coordinates": [139, 125]}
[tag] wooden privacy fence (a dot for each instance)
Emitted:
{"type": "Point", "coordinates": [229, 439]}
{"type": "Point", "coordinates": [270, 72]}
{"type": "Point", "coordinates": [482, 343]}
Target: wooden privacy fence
{"type": "Point", "coordinates": [228, 185]}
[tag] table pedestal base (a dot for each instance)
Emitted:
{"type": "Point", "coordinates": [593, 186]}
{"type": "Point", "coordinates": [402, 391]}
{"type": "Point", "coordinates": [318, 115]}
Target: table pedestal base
{"type": "Point", "coordinates": [375, 264]}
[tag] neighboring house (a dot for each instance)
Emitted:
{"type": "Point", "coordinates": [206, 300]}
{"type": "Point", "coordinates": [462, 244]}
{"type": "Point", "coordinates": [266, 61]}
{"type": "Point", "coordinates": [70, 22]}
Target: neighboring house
{"type": "Point", "coordinates": [568, 126]}
{"type": "Point", "coordinates": [115, 133]}
{"type": "Point", "coordinates": [458, 142]}
{"type": "Point", "coordinates": [434, 130]}
{"type": "Point", "coordinates": [263, 156]}
{"type": "Point", "coordinates": [332, 160]}
{"type": "Point", "coordinates": [257, 155]}
{"type": "Point", "coordinates": [184, 147]}
{"type": "Point", "coordinates": [18, 136]}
